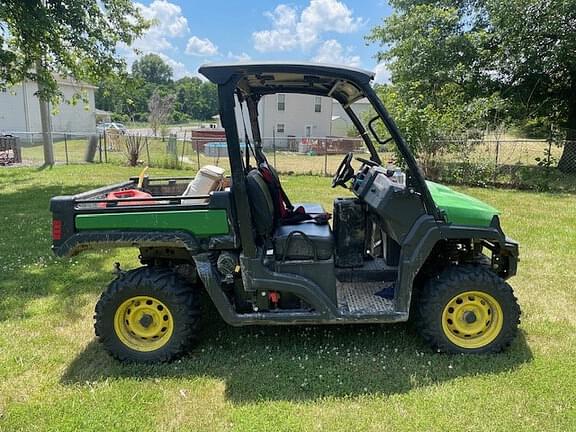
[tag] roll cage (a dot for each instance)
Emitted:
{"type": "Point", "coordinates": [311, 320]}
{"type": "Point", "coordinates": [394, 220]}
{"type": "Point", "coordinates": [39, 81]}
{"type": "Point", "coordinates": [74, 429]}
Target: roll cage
{"type": "Point", "coordinates": [248, 82]}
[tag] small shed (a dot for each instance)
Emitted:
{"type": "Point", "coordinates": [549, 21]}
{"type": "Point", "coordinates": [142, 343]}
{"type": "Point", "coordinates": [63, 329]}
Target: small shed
{"type": "Point", "coordinates": [201, 136]}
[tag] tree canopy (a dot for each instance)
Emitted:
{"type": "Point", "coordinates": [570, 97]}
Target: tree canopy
{"type": "Point", "coordinates": [516, 57]}
{"type": "Point", "coordinates": [129, 94]}
{"type": "Point", "coordinates": [152, 69]}
{"type": "Point", "coordinates": [76, 39]}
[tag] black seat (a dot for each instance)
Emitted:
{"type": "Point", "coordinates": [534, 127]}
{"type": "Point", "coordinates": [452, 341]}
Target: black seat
{"type": "Point", "coordinates": [261, 203]}
{"type": "Point", "coordinates": [303, 241]}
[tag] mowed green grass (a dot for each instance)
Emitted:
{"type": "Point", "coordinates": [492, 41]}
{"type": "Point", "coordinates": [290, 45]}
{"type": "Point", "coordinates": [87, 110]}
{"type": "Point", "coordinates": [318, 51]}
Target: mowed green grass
{"type": "Point", "coordinates": [55, 377]}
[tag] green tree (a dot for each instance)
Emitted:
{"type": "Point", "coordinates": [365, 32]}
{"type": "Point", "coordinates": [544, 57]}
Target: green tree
{"type": "Point", "coordinates": [122, 94]}
{"type": "Point", "coordinates": [77, 38]}
{"type": "Point", "coordinates": [209, 98]}
{"type": "Point", "coordinates": [519, 52]}
{"type": "Point", "coordinates": [535, 43]}
{"type": "Point", "coordinates": [435, 77]}
{"type": "Point", "coordinates": [129, 94]}
{"type": "Point", "coordinates": [152, 69]}
{"type": "Point", "coordinates": [196, 98]}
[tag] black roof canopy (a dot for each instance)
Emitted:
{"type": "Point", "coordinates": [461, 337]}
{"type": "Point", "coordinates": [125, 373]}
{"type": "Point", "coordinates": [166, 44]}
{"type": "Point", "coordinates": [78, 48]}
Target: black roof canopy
{"type": "Point", "coordinates": [257, 79]}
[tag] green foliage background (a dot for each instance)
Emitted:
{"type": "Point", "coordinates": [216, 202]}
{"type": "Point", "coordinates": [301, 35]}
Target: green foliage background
{"type": "Point", "coordinates": [127, 94]}
{"type": "Point", "coordinates": [458, 65]}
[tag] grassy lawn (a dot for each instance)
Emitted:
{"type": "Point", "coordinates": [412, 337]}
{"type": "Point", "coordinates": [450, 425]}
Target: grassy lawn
{"type": "Point", "coordinates": [55, 377]}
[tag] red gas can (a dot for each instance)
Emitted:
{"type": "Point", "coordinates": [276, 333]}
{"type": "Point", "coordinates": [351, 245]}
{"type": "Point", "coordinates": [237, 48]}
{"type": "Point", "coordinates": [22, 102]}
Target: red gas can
{"type": "Point", "coordinates": [128, 193]}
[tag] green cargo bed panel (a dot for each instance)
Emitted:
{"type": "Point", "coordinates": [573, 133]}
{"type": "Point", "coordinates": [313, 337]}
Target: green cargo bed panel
{"type": "Point", "coordinates": [197, 222]}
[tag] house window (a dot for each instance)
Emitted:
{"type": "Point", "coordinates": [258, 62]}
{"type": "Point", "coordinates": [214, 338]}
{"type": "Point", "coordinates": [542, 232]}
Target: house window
{"type": "Point", "coordinates": [281, 102]}
{"type": "Point", "coordinates": [317, 104]}
{"type": "Point", "coordinates": [308, 131]}
{"type": "Point", "coordinates": [280, 128]}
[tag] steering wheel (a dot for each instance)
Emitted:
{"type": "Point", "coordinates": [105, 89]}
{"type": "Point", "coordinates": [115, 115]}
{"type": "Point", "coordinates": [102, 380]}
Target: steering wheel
{"type": "Point", "coordinates": [367, 161]}
{"type": "Point", "coordinates": [344, 172]}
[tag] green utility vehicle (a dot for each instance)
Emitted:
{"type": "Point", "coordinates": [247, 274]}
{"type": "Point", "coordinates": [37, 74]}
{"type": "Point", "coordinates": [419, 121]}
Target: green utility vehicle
{"type": "Point", "coordinates": [398, 246]}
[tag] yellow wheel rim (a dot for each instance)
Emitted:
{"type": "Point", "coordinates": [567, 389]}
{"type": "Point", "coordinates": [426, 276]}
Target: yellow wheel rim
{"type": "Point", "coordinates": [472, 319]}
{"type": "Point", "coordinates": [143, 323]}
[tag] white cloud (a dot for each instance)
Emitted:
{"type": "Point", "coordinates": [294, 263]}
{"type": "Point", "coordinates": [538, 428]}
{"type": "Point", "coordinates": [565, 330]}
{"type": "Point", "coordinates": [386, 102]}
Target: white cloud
{"type": "Point", "coordinates": [331, 51]}
{"type": "Point", "coordinates": [167, 22]}
{"type": "Point", "coordinates": [274, 40]}
{"type": "Point", "coordinates": [328, 15]}
{"type": "Point", "coordinates": [239, 57]}
{"type": "Point", "coordinates": [382, 73]}
{"type": "Point", "coordinates": [201, 47]}
{"type": "Point", "coordinates": [179, 70]}
{"type": "Point", "coordinates": [290, 30]}
{"type": "Point", "coordinates": [283, 16]}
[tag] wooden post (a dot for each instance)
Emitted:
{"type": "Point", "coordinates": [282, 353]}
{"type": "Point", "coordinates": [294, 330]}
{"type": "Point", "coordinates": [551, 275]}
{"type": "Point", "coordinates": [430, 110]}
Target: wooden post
{"type": "Point", "coordinates": [183, 147]}
{"type": "Point", "coordinates": [147, 149]}
{"type": "Point", "coordinates": [66, 146]}
{"type": "Point", "coordinates": [326, 157]}
{"type": "Point", "coordinates": [105, 147]}
{"type": "Point", "coordinates": [100, 147]}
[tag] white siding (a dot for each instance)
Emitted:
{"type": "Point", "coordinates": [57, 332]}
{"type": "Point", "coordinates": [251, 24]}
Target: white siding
{"type": "Point", "coordinates": [80, 117]}
{"type": "Point", "coordinates": [342, 123]}
{"type": "Point", "coordinates": [12, 110]}
{"type": "Point", "coordinates": [298, 115]}
{"type": "Point", "coordinates": [20, 110]}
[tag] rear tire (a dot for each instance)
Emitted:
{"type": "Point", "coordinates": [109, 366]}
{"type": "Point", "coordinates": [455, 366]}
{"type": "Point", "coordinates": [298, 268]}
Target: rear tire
{"type": "Point", "coordinates": [148, 315]}
{"type": "Point", "coordinates": [467, 309]}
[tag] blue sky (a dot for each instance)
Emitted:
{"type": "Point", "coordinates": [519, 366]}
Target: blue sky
{"type": "Point", "coordinates": [190, 33]}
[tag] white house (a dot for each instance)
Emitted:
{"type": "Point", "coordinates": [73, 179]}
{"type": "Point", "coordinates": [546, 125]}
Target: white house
{"type": "Point", "coordinates": [341, 123]}
{"type": "Point", "coordinates": [283, 117]}
{"type": "Point", "coordinates": [20, 110]}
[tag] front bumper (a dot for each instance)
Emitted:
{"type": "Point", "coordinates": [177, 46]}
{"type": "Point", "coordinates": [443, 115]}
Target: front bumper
{"type": "Point", "coordinates": [508, 257]}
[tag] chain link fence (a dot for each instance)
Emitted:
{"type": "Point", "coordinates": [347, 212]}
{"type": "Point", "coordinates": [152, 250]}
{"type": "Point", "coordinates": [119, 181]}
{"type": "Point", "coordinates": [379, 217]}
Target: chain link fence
{"type": "Point", "coordinates": [519, 163]}
{"type": "Point", "coordinates": [506, 162]}
{"type": "Point", "coordinates": [69, 148]}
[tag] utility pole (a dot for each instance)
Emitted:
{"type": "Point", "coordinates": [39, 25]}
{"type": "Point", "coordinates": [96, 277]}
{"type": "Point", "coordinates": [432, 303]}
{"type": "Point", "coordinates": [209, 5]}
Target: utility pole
{"type": "Point", "coordinates": [46, 121]}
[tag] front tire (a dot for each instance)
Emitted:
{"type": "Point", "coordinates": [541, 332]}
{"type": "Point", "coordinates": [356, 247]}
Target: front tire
{"type": "Point", "coordinates": [147, 315]}
{"type": "Point", "coordinates": [467, 309]}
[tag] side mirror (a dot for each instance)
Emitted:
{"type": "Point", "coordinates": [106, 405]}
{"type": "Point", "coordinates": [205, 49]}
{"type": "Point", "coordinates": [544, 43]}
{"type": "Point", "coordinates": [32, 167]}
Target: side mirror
{"type": "Point", "coordinates": [374, 133]}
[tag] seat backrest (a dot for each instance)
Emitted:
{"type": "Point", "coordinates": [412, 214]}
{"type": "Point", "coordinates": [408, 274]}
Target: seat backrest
{"type": "Point", "coordinates": [261, 203]}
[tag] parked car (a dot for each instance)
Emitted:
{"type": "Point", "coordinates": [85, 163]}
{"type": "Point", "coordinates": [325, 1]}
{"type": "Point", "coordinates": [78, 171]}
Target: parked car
{"type": "Point", "coordinates": [102, 127]}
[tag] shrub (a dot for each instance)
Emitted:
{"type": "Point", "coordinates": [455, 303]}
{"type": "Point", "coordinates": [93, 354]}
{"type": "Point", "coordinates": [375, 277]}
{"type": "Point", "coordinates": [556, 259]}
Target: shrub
{"type": "Point", "coordinates": [133, 146]}
{"type": "Point", "coordinates": [180, 117]}
{"type": "Point", "coordinates": [119, 117]}
{"type": "Point", "coordinates": [538, 127]}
